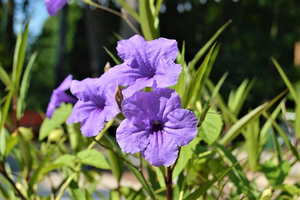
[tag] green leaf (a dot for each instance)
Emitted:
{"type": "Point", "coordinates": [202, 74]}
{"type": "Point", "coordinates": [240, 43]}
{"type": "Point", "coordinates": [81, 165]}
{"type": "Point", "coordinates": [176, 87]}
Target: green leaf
{"type": "Point", "coordinates": [64, 159]}
{"type": "Point", "coordinates": [286, 140]}
{"type": "Point", "coordinates": [37, 172]}
{"type": "Point", "coordinates": [285, 79]}
{"type": "Point", "coordinates": [237, 98]}
{"type": "Point", "coordinates": [77, 193]}
{"type": "Point", "coordinates": [11, 142]}
{"type": "Point", "coordinates": [147, 21]}
{"type": "Point", "coordinates": [201, 52]}
{"type": "Point", "coordinates": [297, 119]}
{"type": "Point", "coordinates": [218, 86]}
{"type": "Point", "coordinates": [276, 174]}
{"type": "Point", "coordinates": [180, 86]}
{"type": "Point", "coordinates": [264, 130]}
{"type": "Point", "coordinates": [291, 189]}
{"type": "Point", "coordinates": [131, 194]}
{"type": "Point", "coordinates": [93, 157]}
{"type": "Point", "coordinates": [2, 142]}
{"type": "Point", "coordinates": [25, 152]}
{"type": "Point", "coordinates": [112, 56]}
{"type": "Point", "coordinates": [237, 175]}
{"type": "Point", "coordinates": [203, 189]}
{"type": "Point", "coordinates": [211, 128]}
{"type": "Point", "coordinates": [251, 135]}
{"type": "Point", "coordinates": [185, 154]}
{"type": "Point", "coordinates": [266, 194]}
{"type": "Point", "coordinates": [19, 55]}
{"type": "Point", "coordinates": [195, 82]}
{"type": "Point", "coordinates": [157, 8]}
{"type": "Point", "coordinates": [129, 9]}
{"type": "Point", "coordinates": [4, 77]}
{"type": "Point", "coordinates": [228, 116]}
{"type": "Point", "coordinates": [117, 165]}
{"type": "Point", "coordinates": [59, 117]}
{"type": "Point", "coordinates": [24, 87]}
{"type": "Point", "coordinates": [236, 128]}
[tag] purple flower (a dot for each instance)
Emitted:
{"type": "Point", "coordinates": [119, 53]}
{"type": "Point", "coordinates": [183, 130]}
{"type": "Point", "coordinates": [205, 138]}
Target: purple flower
{"type": "Point", "coordinates": [146, 64]}
{"type": "Point", "coordinates": [95, 105]}
{"type": "Point", "coordinates": [54, 5]}
{"type": "Point", "coordinates": [59, 96]}
{"type": "Point", "coordinates": [156, 126]}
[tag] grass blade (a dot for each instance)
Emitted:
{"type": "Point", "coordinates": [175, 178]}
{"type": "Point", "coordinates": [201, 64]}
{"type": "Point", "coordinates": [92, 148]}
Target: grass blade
{"type": "Point", "coordinates": [236, 129]}
{"type": "Point", "coordinates": [285, 79]}
{"type": "Point", "coordinates": [196, 81]}
{"type": "Point", "coordinates": [203, 189]}
{"type": "Point", "coordinates": [24, 87]}
{"type": "Point", "coordinates": [201, 52]}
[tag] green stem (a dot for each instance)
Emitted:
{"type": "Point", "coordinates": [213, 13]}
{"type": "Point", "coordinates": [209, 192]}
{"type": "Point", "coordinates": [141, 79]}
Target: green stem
{"type": "Point", "coordinates": [78, 167]}
{"type": "Point", "coordinates": [123, 16]}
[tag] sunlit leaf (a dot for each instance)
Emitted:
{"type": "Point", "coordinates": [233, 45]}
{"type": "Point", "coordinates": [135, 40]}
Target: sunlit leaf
{"type": "Point", "coordinates": [59, 117]}
{"type": "Point", "coordinates": [276, 174]}
{"type": "Point", "coordinates": [93, 157]}
{"type": "Point", "coordinates": [211, 128]}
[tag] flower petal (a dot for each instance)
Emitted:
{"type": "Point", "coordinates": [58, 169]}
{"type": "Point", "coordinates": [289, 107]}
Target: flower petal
{"type": "Point", "coordinates": [132, 138]}
{"type": "Point", "coordinates": [161, 48]}
{"type": "Point", "coordinates": [161, 150]}
{"type": "Point", "coordinates": [181, 126]}
{"type": "Point", "coordinates": [81, 111]}
{"type": "Point", "coordinates": [133, 52]}
{"type": "Point", "coordinates": [167, 73]}
{"type": "Point", "coordinates": [54, 5]}
{"type": "Point", "coordinates": [139, 84]}
{"type": "Point", "coordinates": [136, 107]}
{"type": "Point", "coordinates": [65, 85]}
{"type": "Point", "coordinates": [169, 101]}
{"type": "Point", "coordinates": [88, 88]}
{"type": "Point", "coordinates": [92, 125]}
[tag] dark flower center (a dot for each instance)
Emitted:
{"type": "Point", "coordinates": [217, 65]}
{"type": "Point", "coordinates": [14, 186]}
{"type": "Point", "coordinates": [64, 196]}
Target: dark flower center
{"type": "Point", "coordinates": [157, 127]}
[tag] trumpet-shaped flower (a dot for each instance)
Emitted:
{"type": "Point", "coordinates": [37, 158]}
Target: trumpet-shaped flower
{"type": "Point", "coordinates": [54, 5]}
{"type": "Point", "coordinates": [156, 126]}
{"type": "Point", "coordinates": [59, 96]}
{"type": "Point", "coordinates": [146, 64]}
{"type": "Point", "coordinates": [95, 105]}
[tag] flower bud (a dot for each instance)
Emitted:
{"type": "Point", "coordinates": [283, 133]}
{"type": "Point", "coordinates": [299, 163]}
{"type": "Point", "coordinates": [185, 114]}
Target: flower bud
{"type": "Point", "coordinates": [107, 67]}
{"type": "Point", "coordinates": [55, 135]}
{"type": "Point", "coordinates": [119, 97]}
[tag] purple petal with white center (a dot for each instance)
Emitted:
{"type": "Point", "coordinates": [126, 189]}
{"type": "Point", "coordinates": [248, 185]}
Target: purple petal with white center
{"type": "Point", "coordinates": [133, 138]}
{"type": "Point", "coordinates": [161, 150]}
{"type": "Point", "coordinates": [181, 126]}
{"type": "Point", "coordinates": [54, 5]}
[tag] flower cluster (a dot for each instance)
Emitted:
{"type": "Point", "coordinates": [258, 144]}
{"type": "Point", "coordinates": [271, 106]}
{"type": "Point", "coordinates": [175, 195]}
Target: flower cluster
{"type": "Point", "coordinates": [155, 124]}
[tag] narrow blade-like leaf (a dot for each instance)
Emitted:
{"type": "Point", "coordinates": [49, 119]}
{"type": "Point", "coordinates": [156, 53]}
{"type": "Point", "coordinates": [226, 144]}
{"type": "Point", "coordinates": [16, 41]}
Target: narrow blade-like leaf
{"type": "Point", "coordinates": [236, 129]}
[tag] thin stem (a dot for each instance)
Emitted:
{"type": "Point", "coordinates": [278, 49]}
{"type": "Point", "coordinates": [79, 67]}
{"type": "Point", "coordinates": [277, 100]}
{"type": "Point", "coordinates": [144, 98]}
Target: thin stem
{"type": "Point", "coordinates": [122, 15]}
{"type": "Point", "coordinates": [4, 173]}
{"type": "Point", "coordinates": [141, 172]}
{"type": "Point", "coordinates": [116, 154]}
{"type": "Point", "coordinates": [169, 184]}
